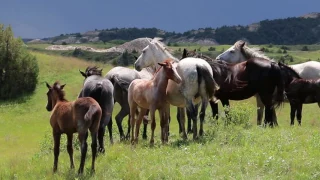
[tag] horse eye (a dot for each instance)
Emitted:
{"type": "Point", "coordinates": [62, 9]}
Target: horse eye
{"type": "Point", "coordinates": [231, 51]}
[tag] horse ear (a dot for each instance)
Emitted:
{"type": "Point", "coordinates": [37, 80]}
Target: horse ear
{"type": "Point", "coordinates": [48, 86]}
{"type": "Point", "coordinates": [162, 64]}
{"type": "Point", "coordinates": [135, 57]}
{"type": "Point", "coordinates": [242, 43]}
{"type": "Point", "coordinates": [62, 86]}
{"type": "Point", "coordinates": [83, 74]}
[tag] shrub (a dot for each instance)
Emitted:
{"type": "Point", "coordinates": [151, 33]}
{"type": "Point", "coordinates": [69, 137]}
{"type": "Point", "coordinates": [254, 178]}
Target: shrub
{"type": "Point", "coordinates": [211, 48]}
{"type": "Point", "coordinates": [305, 48]}
{"type": "Point", "coordinates": [18, 69]}
{"type": "Point", "coordinates": [64, 43]}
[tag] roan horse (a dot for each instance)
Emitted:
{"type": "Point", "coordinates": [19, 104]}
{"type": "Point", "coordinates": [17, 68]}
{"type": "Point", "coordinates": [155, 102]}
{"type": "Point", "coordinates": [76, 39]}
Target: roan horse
{"type": "Point", "coordinates": [67, 117]}
{"type": "Point", "coordinates": [300, 91]}
{"type": "Point", "coordinates": [121, 77]}
{"type": "Point", "coordinates": [100, 89]}
{"type": "Point", "coordinates": [197, 82]}
{"type": "Point", "coordinates": [239, 52]}
{"type": "Point", "coordinates": [150, 94]}
{"type": "Point", "coordinates": [240, 81]}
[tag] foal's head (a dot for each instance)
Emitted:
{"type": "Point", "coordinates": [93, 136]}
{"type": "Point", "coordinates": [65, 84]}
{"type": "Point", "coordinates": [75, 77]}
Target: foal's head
{"type": "Point", "coordinates": [91, 70]}
{"type": "Point", "coordinates": [170, 70]}
{"type": "Point", "coordinates": [288, 73]}
{"type": "Point", "coordinates": [55, 93]}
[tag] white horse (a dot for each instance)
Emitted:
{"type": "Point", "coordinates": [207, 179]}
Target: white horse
{"type": "Point", "coordinates": [197, 81]}
{"type": "Point", "coordinates": [239, 52]}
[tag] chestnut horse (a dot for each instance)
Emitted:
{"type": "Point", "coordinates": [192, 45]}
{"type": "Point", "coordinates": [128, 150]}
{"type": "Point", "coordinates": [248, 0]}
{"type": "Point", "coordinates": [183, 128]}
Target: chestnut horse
{"type": "Point", "coordinates": [67, 117]}
{"type": "Point", "coordinates": [151, 94]}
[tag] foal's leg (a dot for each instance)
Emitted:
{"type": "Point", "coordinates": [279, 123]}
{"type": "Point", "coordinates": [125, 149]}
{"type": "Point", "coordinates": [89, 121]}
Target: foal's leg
{"type": "Point", "coordinates": [202, 115]}
{"type": "Point", "coordinates": [83, 142]}
{"type": "Point", "coordinates": [145, 125]}
{"type": "Point", "coordinates": [70, 149]}
{"type": "Point", "coordinates": [260, 109]}
{"type": "Point", "coordinates": [299, 113]}
{"type": "Point", "coordinates": [119, 117]}
{"type": "Point", "coordinates": [56, 150]}
{"type": "Point", "coordinates": [93, 149]}
{"type": "Point", "coordinates": [138, 123]}
{"type": "Point", "coordinates": [133, 109]}
{"type": "Point", "coordinates": [153, 125]}
{"type": "Point", "coordinates": [293, 110]}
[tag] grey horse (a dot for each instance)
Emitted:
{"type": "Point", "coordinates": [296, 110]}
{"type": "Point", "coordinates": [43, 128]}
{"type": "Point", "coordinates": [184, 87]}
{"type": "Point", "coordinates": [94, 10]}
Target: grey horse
{"type": "Point", "coordinates": [100, 89]}
{"type": "Point", "coordinates": [121, 77]}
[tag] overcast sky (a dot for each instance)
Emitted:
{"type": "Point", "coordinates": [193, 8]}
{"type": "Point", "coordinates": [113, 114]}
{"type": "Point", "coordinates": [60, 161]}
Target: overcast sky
{"type": "Point", "coordinates": [46, 18]}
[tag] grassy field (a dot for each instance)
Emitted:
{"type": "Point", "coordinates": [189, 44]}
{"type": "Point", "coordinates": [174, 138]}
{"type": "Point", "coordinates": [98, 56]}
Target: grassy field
{"type": "Point", "coordinates": [238, 151]}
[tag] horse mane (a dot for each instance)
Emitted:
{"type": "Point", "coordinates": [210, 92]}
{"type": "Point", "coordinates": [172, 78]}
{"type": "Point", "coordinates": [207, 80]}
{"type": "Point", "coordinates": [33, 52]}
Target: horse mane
{"type": "Point", "coordinates": [61, 93]}
{"type": "Point", "coordinates": [249, 53]}
{"type": "Point", "coordinates": [93, 70]}
{"type": "Point", "coordinates": [292, 71]}
{"type": "Point", "coordinates": [157, 41]}
{"type": "Point", "coordinates": [196, 55]}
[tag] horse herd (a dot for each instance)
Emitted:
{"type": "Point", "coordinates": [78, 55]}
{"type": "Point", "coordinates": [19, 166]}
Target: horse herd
{"type": "Point", "coordinates": [160, 80]}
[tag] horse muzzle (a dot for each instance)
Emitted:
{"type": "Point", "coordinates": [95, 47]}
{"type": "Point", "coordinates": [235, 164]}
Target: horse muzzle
{"type": "Point", "coordinates": [137, 67]}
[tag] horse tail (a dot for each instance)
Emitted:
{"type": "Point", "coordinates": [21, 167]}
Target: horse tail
{"type": "Point", "coordinates": [93, 109]}
{"type": "Point", "coordinates": [123, 84]}
{"type": "Point", "coordinates": [210, 84]}
{"type": "Point", "coordinates": [279, 83]}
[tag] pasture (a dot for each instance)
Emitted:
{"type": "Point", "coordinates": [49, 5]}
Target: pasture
{"type": "Point", "coordinates": [238, 151]}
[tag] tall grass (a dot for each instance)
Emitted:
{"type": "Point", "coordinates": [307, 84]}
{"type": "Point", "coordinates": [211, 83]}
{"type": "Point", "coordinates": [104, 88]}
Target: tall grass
{"type": "Point", "coordinates": [232, 148]}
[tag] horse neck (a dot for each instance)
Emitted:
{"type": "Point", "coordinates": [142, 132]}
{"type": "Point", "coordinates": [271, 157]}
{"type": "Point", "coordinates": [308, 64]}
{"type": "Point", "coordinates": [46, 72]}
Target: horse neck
{"type": "Point", "coordinates": [162, 56]}
{"type": "Point", "coordinates": [161, 80]}
{"type": "Point", "coordinates": [249, 53]}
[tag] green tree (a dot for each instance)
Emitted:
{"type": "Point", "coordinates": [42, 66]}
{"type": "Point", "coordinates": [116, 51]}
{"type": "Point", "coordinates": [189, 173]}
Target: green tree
{"type": "Point", "coordinates": [18, 69]}
{"type": "Point", "coordinates": [305, 48]}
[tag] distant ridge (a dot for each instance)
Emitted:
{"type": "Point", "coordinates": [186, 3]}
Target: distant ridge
{"type": "Point", "coordinates": [293, 30]}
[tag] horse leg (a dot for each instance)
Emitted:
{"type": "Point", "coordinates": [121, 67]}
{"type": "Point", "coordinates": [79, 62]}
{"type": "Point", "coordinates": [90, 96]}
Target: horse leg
{"type": "Point", "coordinates": [145, 125]}
{"type": "Point", "coordinates": [138, 123]}
{"type": "Point", "coordinates": [119, 117]}
{"type": "Point", "coordinates": [274, 117]}
{"type": "Point", "coordinates": [182, 122]}
{"type": "Point", "coordinates": [70, 149]}
{"type": "Point", "coordinates": [93, 149]}
{"type": "Point", "coordinates": [194, 114]}
{"type": "Point", "coordinates": [101, 131]}
{"type": "Point", "coordinates": [225, 103]}
{"type": "Point", "coordinates": [260, 109]}
{"type": "Point", "coordinates": [189, 122]}
{"type": "Point", "coordinates": [292, 112]}
{"type": "Point", "coordinates": [110, 131]}
{"type": "Point", "coordinates": [56, 150]}
{"type": "Point", "coordinates": [202, 115]}
{"type": "Point", "coordinates": [179, 120]}
{"type": "Point", "coordinates": [153, 125]}
{"type": "Point", "coordinates": [268, 116]}
{"type": "Point", "coordinates": [83, 142]}
{"type": "Point", "coordinates": [133, 109]}
{"type": "Point", "coordinates": [167, 121]}
{"type": "Point", "coordinates": [299, 113]}
{"type": "Point", "coordinates": [214, 109]}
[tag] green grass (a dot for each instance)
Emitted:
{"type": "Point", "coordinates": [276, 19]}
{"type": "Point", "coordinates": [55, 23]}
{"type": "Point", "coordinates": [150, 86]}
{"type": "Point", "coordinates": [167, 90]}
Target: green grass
{"type": "Point", "coordinates": [233, 152]}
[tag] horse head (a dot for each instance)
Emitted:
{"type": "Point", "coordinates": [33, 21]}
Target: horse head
{"type": "Point", "coordinates": [234, 54]}
{"type": "Point", "coordinates": [91, 70]}
{"type": "Point", "coordinates": [288, 73]}
{"type": "Point", "coordinates": [54, 94]}
{"type": "Point", "coordinates": [152, 54]}
{"type": "Point", "coordinates": [171, 71]}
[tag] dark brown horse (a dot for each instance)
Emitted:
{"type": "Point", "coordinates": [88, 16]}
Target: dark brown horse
{"type": "Point", "coordinates": [243, 80]}
{"type": "Point", "coordinates": [299, 91]}
{"type": "Point", "coordinates": [67, 117]}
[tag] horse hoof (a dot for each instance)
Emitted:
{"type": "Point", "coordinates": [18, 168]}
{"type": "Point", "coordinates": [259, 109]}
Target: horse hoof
{"type": "Point", "coordinates": [144, 137]}
{"type": "Point", "coordinates": [101, 150]}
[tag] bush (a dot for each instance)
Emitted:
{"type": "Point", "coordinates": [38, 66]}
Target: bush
{"type": "Point", "coordinates": [64, 43]}
{"type": "Point", "coordinates": [211, 48]}
{"type": "Point", "coordinates": [18, 69]}
{"type": "Point", "coordinates": [305, 48]}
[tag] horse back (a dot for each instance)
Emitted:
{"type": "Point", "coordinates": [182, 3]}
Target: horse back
{"type": "Point", "coordinates": [61, 119]}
